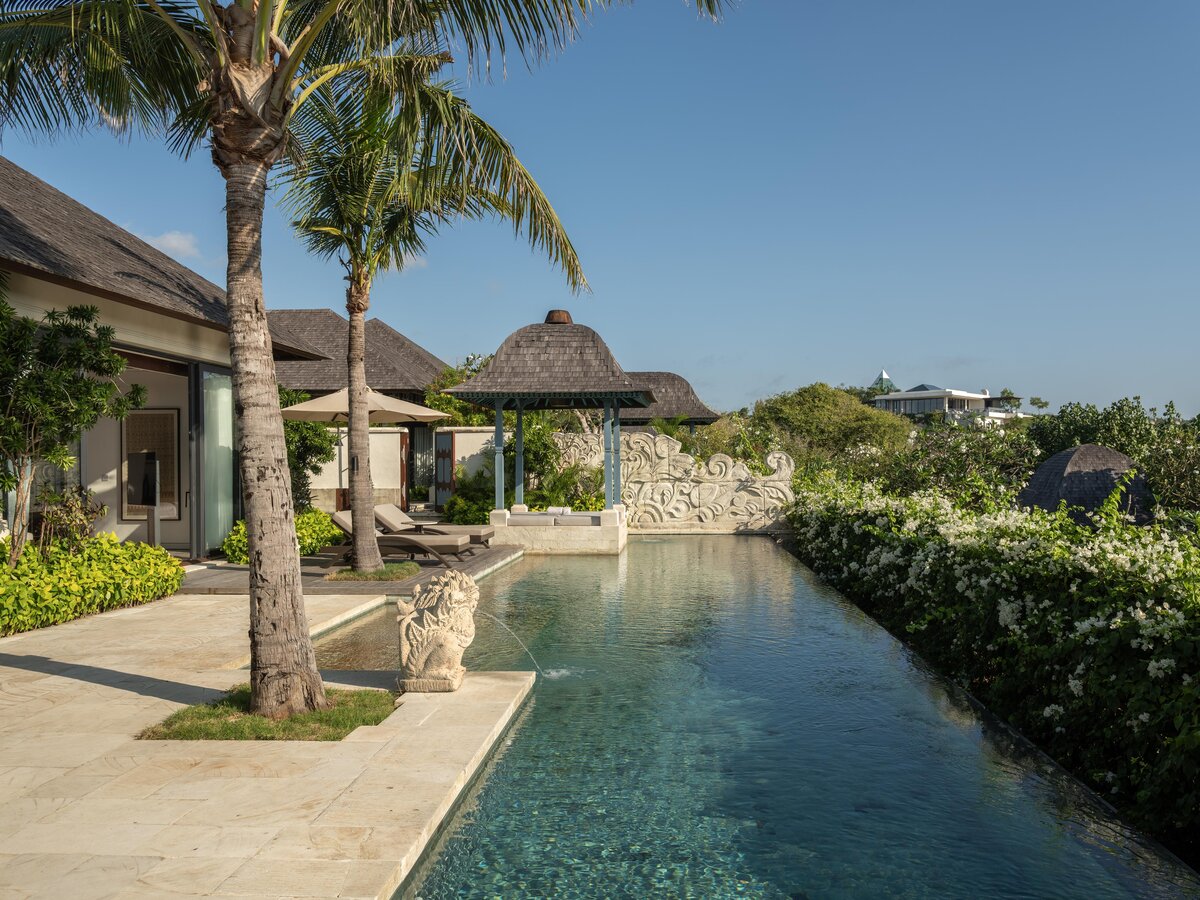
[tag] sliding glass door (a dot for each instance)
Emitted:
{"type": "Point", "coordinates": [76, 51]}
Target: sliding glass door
{"type": "Point", "coordinates": [218, 482]}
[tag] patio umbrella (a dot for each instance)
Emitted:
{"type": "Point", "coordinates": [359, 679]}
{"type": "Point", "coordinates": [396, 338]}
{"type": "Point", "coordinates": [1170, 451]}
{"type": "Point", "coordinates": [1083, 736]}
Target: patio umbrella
{"type": "Point", "coordinates": [384, 410]}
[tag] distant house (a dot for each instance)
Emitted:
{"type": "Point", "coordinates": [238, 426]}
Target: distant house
{"type": "Point", "coordinates": [171, 326]}
{"type": "Point", "coordinates": [956, 405]}
{"type": "Point", "coordinates": [674, 399]}
{"type": "Point", "coordinates": [396, 366]}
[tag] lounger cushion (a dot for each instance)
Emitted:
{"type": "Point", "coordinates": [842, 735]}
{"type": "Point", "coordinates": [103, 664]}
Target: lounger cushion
{"type": "Point", "coordinates": [577, 520]}
{"type": "Point", "coordinates": [392, 517]}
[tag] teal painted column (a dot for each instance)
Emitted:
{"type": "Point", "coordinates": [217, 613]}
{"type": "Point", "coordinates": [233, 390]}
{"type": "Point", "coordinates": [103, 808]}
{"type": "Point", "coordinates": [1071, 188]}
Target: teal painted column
{"type": "Point", "coordinates": [499, 457]}
{"type": "Point", "coordinates": [608, 455]}
{"type": "Point", "coordinates": [617, 454]}
{"type": "Point", "coordinates": [520, 460]}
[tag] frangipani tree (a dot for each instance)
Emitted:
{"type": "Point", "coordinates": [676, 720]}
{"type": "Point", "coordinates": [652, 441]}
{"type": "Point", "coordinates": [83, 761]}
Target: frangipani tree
{"type": "Point", "coordinates": [235, 75]}
{"type": "Point", "coordinates": [369, 196]}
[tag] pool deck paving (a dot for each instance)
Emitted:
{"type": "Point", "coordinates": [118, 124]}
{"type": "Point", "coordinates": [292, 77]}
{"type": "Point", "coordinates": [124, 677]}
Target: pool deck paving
{"type": "Point", "coordinates": [224, 578]}
{"type": "Point", "coordinates": [88, 811]}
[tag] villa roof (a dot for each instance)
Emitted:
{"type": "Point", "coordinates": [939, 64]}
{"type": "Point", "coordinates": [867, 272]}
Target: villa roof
{"type": "Point", "coordinates": [674, 398]}
{"type": "Point", "coordinates": [47, 235]}
{"type": "Point", "coordinates": [555, 364]}
{"type": "Point", "coordinates": [394, 363]}
{"type": "Point", "coordinates": [924, 387]}
{"type": "Point", "coordinates": [1084, 477]}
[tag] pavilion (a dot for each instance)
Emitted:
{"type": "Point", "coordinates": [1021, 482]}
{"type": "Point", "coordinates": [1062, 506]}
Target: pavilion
{"type": "Point", "coordinates": [675, 400]}
{"type": "Point", "coordinates": [555, 364]}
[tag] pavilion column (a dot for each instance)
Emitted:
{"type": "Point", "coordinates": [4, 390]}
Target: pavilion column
{"type": "Point", "coordinates": [499, 458]}
{"type": "Point", "coordinates": [617, 453]}
{"type": "Point", "coordinates": [519, 478]}
{"type": "Point", "coordinates": [608, 455]}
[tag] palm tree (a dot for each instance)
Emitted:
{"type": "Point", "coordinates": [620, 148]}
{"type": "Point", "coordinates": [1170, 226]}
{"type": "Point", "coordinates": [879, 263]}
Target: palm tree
{"type": "Point", "coordinates": [356, 199]}
{"type": "Point", "coordinates": [235, 75]}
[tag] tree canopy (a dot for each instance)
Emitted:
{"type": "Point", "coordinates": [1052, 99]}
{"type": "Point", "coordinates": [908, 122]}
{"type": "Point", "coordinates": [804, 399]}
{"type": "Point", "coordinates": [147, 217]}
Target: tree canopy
{"type": "Point", "coordinates": [58, 378]}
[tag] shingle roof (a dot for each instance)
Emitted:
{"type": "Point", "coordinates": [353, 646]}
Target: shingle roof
{"type": "Point", "coordinates": [395, 365]}
{"type": "Point", "coordinates": [45, 234]}
{"type": "Point", "coordinates": [673, 398]}
{"type": "Point", "coordinates": [1084, 477]}
{"type": "Point", "coordinates": [553, 365]}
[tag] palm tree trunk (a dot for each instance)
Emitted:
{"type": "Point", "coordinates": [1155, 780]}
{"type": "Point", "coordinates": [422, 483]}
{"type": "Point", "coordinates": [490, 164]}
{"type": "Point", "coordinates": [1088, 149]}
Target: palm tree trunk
{"type": "Point", "coordinates": [283, 667]}
{"type": "Point", "coordinates": [362, 489]}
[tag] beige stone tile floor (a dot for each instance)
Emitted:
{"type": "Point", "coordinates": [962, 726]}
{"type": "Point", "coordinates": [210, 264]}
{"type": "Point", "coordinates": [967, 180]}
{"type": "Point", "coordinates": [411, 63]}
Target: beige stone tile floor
{"type": "Point", "coordinates": [88, 811]}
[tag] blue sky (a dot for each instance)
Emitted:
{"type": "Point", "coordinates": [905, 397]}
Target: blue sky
{"type": "Point", "coordinates": [987, 194]}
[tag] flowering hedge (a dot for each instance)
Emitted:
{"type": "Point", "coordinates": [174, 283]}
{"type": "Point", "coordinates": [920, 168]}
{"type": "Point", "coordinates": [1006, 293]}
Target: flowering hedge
{"type": "Point", "coordinates": [1087, 640]}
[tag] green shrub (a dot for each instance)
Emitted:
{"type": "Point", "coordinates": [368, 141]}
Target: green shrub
{"type": "Point", "coordinates": [59, 584]}
{"type": "Point", "coordinates": [1165, 448]}
{"type": "Point", "coordinates": [980, 468]}
{"type": "Point", "coordinates": [827, 422]}
{"type": "Point", "coordinates": [1086, 639]}
{"type": "Point", "coordinates": [314, 530]}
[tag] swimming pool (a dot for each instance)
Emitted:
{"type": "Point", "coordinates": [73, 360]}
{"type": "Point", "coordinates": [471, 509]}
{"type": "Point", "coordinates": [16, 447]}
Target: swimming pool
{"type": "Point", "coordinates": [716, 723]}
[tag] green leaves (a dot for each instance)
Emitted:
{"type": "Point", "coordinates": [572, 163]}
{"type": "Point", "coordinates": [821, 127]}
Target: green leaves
{"type": "Point", "coordinates": [64, 582]}
{"type": "Point", "coordinates": [314, 530]}
{"type": "Point", "coordinates": [58, 378]}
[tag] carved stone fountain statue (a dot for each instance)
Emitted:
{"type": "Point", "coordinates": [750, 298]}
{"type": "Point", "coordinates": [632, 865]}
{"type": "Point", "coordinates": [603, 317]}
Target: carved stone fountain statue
{"type": "Point", "coordinates": [435, 629]}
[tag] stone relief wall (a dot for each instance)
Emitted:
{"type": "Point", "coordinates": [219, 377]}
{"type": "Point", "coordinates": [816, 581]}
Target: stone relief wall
{"type": "Point", "coordinates": [664, 489]}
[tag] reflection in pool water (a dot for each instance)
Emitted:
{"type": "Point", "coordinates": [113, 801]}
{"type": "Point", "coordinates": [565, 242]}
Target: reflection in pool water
{"type": "Point", "coordinates": [714, 723]}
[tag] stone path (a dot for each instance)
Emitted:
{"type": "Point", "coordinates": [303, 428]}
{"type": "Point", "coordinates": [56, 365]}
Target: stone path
{"type": "Point", "coordinates": [87, 811]}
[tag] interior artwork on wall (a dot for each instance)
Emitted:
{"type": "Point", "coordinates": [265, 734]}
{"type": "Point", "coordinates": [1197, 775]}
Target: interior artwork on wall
{"type": "Point", "coordinates": [152, 431]}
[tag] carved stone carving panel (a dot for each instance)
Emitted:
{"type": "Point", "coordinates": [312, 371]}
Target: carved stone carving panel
{"type": "Point", "coordinates": [664, 489]}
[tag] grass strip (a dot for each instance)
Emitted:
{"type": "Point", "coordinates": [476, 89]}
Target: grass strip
{"type": "Point", "coordinates": [229, 719]}
{"type": "Point", "coordinates": [390, 572]}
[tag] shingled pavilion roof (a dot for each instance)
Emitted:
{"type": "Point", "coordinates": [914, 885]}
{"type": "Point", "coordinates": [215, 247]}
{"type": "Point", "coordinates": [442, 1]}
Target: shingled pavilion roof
{"type": "Point", "coordinates": [1084, 477]}
{"type": "Point", "coordinates": [674, 398]}
{"type": "Point", "coordinates": [49, 236]}
{"type": "Point", "coordinates": [395, 365]}
{"type": "Point", "coordinates": [554, 365]}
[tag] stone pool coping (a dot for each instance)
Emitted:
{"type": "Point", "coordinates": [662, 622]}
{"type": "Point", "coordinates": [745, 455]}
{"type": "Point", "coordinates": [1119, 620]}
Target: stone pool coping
{"type": "Point", "coordinates": [88, 811]}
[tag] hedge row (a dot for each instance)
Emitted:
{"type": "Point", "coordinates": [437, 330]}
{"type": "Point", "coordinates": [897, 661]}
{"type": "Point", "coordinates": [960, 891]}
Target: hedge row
{"type": "Point", "coordinates": [57, 585]}
{"type": "Point", "coordinates": [1086, 639]}
{"type": "Point", "coordinates": [314, 530]}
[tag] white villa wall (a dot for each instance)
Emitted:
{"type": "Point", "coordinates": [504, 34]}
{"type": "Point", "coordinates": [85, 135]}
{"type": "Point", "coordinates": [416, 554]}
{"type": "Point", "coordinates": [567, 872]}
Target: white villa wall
{"type": "Point", "coordinates": [472, 446]}
{"type": "Point", "coordinates": [386, 469]}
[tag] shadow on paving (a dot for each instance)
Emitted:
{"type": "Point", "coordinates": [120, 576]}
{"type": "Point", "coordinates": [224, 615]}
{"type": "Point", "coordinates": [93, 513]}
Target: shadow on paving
{"type": "Point", "coordinates": [145, 685]}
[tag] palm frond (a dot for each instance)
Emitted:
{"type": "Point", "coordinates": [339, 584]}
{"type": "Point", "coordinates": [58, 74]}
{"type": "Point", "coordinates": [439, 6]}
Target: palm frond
{"type": "Point", "coordinates": [385, 172]}
{"type": "Point", "coordinates": [117, 64]}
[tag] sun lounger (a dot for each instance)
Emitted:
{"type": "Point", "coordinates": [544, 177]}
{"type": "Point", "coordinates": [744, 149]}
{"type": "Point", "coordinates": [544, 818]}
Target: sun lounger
{"type": "Point", "coordinates": [393, 520]}
{"type": "Point", "coordinates": [438, 546]}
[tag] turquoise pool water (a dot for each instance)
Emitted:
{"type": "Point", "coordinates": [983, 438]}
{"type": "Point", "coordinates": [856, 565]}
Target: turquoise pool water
{"type": "Point", "coordinates": [718, 724]}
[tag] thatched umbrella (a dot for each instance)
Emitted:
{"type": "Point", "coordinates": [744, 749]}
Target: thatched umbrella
{"type": "Point", "coordinates": [1085, 476]}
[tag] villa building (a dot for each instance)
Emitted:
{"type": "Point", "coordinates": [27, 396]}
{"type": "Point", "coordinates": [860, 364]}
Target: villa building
{"type": "Point", "coordinates": [172, 328]}
{"type": "Point", "coordinates": [674, 401]}
{"type": "Point", "coordinates": [396, 366]}
{"type": "Point", "coordinates": [956, 405]}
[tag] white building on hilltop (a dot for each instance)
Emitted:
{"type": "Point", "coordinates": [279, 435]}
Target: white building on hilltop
{"type": "Point", "coordinates": [955, 405]}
